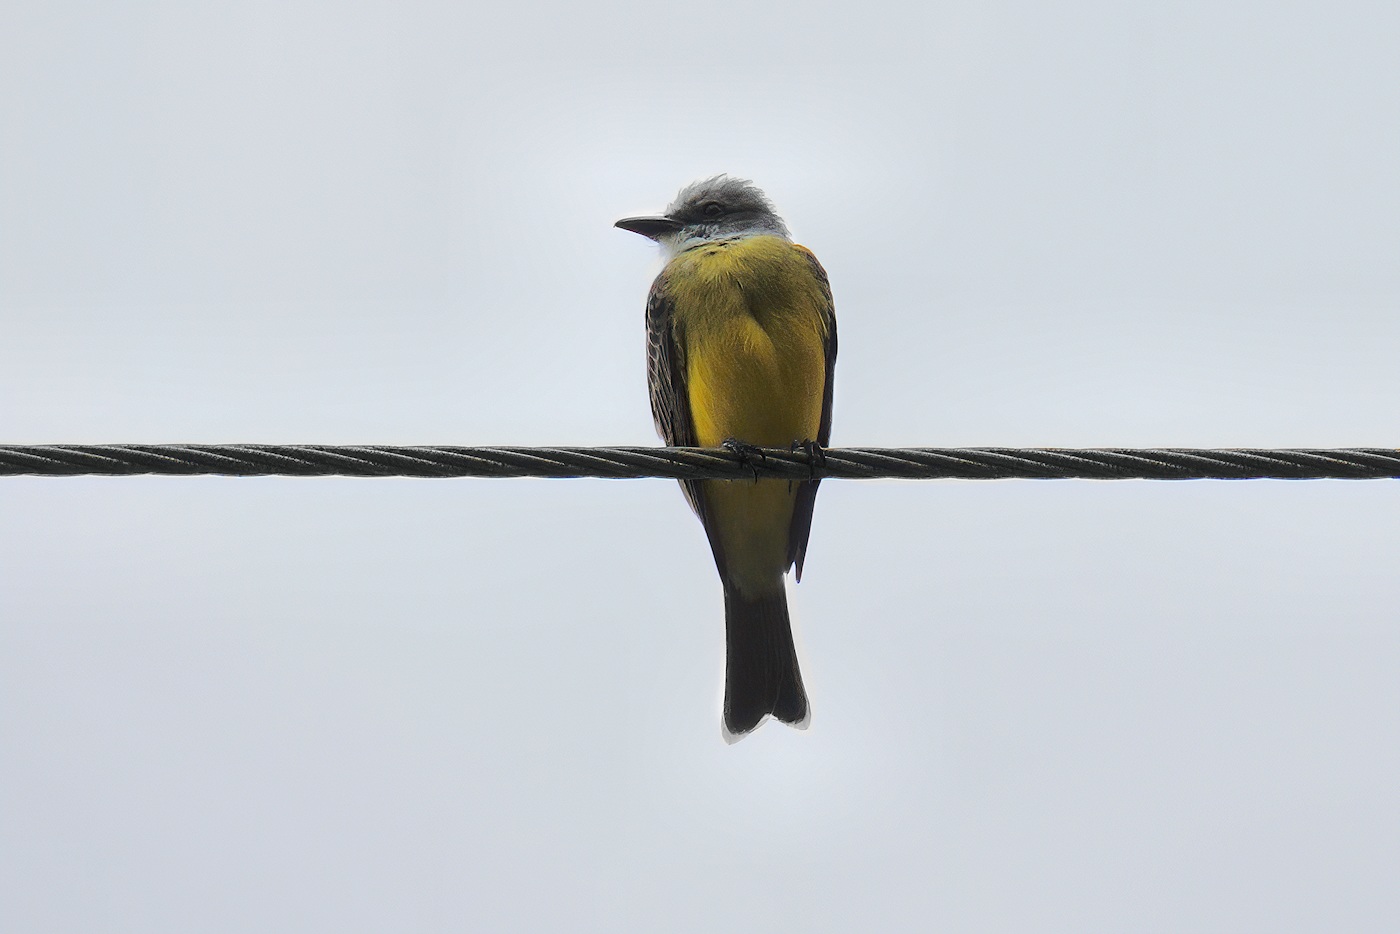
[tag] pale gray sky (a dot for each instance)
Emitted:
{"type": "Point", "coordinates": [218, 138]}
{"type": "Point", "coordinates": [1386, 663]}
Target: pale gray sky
{"type": "Point", "coordinates": [341, 705]}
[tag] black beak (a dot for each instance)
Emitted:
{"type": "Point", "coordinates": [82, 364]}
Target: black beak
{"type": "Point", "coordinates": [653, 227]}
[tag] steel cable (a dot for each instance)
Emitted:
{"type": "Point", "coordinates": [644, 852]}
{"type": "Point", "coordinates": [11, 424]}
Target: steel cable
{"type": "Point", "coordinates": [322, 460]}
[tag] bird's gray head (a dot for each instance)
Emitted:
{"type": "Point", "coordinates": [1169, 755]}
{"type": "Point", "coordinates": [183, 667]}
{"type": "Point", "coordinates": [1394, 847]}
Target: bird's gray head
{"type": "Point", "coordinates": [711, 209]}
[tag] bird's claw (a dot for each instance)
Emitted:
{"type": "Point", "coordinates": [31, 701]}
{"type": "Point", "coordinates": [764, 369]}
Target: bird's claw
{"type": "Point", "coordinates": [748, 454]}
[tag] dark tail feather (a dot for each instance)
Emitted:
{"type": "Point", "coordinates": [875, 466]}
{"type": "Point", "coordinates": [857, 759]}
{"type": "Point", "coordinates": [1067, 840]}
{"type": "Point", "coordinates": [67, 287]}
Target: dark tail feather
{"type": "Point", "coordinates": [761, 674]}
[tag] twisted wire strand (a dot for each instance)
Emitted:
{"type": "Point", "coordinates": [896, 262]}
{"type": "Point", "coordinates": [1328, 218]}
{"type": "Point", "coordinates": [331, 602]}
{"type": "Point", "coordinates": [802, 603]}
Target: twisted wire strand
{"type": "Point", "coordinates": [323, 460]}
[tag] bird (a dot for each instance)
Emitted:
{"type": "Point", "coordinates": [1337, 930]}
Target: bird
{"type": "Point", "coordinates": [741, 350]}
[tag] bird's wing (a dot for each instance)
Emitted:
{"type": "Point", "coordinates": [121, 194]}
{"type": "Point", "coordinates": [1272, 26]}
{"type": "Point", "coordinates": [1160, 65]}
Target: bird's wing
{"type": "Point", "coordinates": [801, 527]}
{"type": "Point", "coordinates": [666, 381]}
{"type": "Point", "coordinates": [670, 401]}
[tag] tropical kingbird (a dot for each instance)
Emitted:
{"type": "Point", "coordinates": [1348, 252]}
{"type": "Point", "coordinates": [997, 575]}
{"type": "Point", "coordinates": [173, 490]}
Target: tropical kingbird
{"type": "Point", "coordinates": [741, 343]}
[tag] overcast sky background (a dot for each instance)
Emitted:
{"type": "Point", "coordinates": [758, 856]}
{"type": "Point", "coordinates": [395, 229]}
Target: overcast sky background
{"type": "Point", "coordinates": [368, 705]}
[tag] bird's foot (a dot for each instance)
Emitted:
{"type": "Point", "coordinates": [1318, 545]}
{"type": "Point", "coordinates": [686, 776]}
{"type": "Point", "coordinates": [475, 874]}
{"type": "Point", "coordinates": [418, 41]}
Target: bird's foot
{"type": "Point", "coordinates": [748, 454]}
{"type": "Point", "coordinates": [816, 455]}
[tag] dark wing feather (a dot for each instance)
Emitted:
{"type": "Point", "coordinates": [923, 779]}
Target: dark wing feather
{"type": "Point", "coordinates": [670, 401]}
{"type": "Point", "coordinates": [670, 397]}
{"type": "Point", "coordinates": [801, 527]}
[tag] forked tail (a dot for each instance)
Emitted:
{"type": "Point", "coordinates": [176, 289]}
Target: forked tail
{"type": "Point", "coordinates": [761, 673]}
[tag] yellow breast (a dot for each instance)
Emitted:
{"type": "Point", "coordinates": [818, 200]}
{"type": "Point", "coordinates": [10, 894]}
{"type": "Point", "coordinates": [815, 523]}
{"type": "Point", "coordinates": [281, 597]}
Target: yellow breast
{"type": "Point", "coordinates": [750, 315]}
